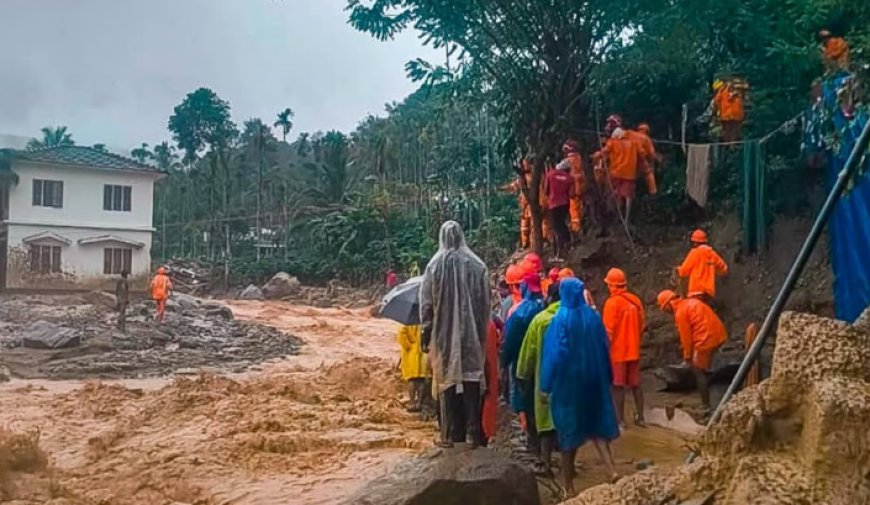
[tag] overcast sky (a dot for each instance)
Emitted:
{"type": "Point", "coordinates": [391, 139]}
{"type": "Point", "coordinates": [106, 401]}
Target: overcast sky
{"type": "Point", "coordinates": [112, 70]}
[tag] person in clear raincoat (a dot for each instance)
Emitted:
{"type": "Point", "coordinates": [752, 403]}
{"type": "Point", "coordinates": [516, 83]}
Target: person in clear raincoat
{"type": "Point", "coordinates": [454, 311]}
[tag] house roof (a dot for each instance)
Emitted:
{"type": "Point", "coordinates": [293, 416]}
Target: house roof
{"type": "Point", "coordinates": [84, 156]}
{"type": "Point", "coordinates": [102, 239]}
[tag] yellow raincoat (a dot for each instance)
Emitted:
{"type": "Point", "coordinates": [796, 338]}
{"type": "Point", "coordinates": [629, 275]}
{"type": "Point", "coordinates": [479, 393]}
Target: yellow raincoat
{"type": "Point", "coordinates": [413, 364]}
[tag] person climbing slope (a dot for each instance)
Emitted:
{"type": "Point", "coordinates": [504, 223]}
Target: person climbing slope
{"type": "Point", "coordinates": [648, 156]}
{"type": "Point", "coordinates": [515, 331]}
{"type": "Point", "coordinates": [560, 193]}
{"type": "Point", "coordinates": [727, 104]}
{"type": "Point", "coordinates": [624, 319]}
{"type": "Point", "coordinates": [701, 334]}
{"type": "Point", "coordinates": [455, 315]}
{"type": "Point", "coordinates": [577, 376]}
{"type": "Point", "coordinates": [571, 151]}
{"type": "Point", "coordinates": [701, 266]}
{"type": "Point", "coordinates": [161, 290]}
{"type": "Point", "coordinates": [529, 370]}
{"type": "Point", "coordinates": [412, 365]}
{"type": "Point", "coordinates": [622, 154]}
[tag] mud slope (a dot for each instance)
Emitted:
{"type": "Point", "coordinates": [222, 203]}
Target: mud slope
{"type": "Point", "coordinates": [799, 437]}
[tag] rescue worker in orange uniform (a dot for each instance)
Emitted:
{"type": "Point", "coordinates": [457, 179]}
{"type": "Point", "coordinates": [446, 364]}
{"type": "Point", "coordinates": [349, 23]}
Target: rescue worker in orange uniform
{"type": "Point", "coordinates": [624, 319]}
{"type": "Point", "coordinates": [648, 156]}
{"type": "Point", "coordinates": [161, 289]}
{"type": "Point", "coordinates": [513, 277]}
{"type": "Point", "coordinates": [835, 51]}
{"type": "Point", "coordinates": [701, 334]}
{"type": "Point", "coordinates": [622, 154]}
{"type": "Point", "coordinates": [574, 164]}
{"type": "Point", "coordinates": [728, 107]}
{"type": "Point", "coordinates": [701, 266]}
{"type": "Point", "coordinates": [524, 207]}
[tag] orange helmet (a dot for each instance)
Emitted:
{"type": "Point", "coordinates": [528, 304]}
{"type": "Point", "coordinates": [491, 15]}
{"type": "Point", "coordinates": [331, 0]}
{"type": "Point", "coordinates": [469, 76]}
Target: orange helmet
{"type": "Point", "coordinates": [699, 236]}
{"type": "Point", "coordinates": [161, 271]}
{"type": "Point", "coordinates": [566, 273]}
{"type": "Point", "coordinates": [643, 127]}
{"type": "Point", "coordinates": [616, 277]}
{"type": "Point", "coordinates": [534, 261]}
{"type": "Point", "coordinates": [665, 298]}
{"type": "Point", "coordinates": [513, 275]}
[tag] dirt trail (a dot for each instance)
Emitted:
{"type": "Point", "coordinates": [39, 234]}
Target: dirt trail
{"type": "Point", "coordinates": [303, 430]}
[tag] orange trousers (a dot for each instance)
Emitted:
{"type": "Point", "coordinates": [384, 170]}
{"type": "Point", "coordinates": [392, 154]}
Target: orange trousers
{"type": "Point", "coordinates": [161, 308]}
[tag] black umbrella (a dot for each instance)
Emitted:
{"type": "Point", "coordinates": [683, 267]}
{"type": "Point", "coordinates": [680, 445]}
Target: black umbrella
{"type": "Point", "coordinates": [402, 304]}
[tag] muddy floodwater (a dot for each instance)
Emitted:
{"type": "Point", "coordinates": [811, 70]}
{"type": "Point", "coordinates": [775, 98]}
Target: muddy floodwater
{"type": "Point", "coordinates": [306, 429]}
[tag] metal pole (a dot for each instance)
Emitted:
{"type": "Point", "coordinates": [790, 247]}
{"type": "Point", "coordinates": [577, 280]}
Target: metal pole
{"type": "Point", "coordinates": [797, 268]}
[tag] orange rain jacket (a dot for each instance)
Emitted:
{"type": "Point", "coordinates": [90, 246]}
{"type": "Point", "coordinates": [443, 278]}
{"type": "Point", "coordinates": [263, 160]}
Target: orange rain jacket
{"type": "Point", "coordinates": [576, 203]}
{"type": "Point", "coordinates": [160, 287]}
{"type": "Point", "coordinates": [624, 320]}
{"type": "Point", "coordinates": [729, 104]}
{"type": "Point", "coordinates": [699, 327]}
{"type": "Point", "coordinates": [623, 155]}
{"type": "Point", "coordinates": [701, 266]}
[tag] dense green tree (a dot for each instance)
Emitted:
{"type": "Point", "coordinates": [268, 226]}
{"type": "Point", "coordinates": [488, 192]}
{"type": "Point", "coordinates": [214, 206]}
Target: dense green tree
{"type": "Point", "coordinates": [141, 153]}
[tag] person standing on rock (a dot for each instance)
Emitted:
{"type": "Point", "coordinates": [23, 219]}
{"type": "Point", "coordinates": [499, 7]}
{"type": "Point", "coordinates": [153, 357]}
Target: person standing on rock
{"type": "Point", "coordinates": [455, 315]}
{"type": "Point", "coordinates": [624, 319]}
{"type": "Point", "coordinates": [577, 376]}
{"type": "Point", "coordinates": [122, 295]}
{"type": "Point", "coordinates": [161, 289]}
{"type": "Point", "coordinates": [701, 334]}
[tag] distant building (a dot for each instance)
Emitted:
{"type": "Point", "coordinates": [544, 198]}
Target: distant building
{"type": "Point", "coordinates": [75, 219]}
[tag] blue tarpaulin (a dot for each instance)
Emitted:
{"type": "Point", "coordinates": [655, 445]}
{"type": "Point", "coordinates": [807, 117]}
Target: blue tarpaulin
{"type": "Point", "coordinates": [849, 228]}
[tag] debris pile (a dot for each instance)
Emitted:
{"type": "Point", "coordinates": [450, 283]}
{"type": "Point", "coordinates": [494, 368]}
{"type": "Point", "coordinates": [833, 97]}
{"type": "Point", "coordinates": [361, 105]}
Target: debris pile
{"type": "Point", "coordinates": [799, 437]}
{"type": "Point", "coordinates": [190, 276]}
{"type": "Point", "coordinates": [66, 338]}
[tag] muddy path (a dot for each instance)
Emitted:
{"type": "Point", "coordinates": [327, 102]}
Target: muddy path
{"type": "Point", "coordinates": [307, 429]}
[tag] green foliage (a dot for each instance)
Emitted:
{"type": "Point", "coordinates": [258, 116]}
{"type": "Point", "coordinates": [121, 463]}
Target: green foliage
{"type": "Point", "coordinates": [52, 137]}
{"type": "Point", "coordinates": [285, 122]}
{"type": "Point", "coordinates": [201, 120]}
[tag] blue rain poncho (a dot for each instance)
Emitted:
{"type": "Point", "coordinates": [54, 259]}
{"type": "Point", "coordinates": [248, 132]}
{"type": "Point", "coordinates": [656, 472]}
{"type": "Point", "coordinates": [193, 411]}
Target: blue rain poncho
{"type": "Point", "coordinates": [515, 331]}
{"type": "Point", "coordinates": [576, 371]}
{"type": "Point", "coordinates": [454, 310]}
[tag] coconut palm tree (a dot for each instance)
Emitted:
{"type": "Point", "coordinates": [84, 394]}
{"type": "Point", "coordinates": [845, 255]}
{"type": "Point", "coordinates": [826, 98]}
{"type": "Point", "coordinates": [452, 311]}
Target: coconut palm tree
{"type": "Point", "coordinates": [52, 137]}
{"type": "Point", "coordinates": [141, 153]}
{"type": "Point", "coordinates": [285, 122]}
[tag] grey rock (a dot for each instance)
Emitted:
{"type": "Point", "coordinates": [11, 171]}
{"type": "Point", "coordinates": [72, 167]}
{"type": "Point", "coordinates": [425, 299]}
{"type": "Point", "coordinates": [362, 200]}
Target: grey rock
{"type": "Point", "coordinates": [218, 311]}
{"type": "Point", "coordinates": [252, 293]}
{"type": "Point", "coordinates": [101, 299]}
{"type": "Point", "coordinates": [281, 285]}
{"type": "Point", "coordinates": [452, 477]}
{"type": "Point", "coordinates": [180, 302]}
{"type": "Point", "coordinates": [46, 335]}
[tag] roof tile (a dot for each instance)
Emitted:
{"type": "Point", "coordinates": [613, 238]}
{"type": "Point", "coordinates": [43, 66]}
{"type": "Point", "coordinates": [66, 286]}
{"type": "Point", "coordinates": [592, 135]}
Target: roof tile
{"type": "Point", "coordinates": [84, 156]}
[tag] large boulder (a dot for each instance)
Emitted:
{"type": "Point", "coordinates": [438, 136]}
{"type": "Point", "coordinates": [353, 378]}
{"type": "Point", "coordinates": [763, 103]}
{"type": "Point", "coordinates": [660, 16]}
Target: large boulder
{"type": "Point", "coordinates": [452, 477]}
{"type": "Point", "coordinates": [101, 299]}
{"type": "Point", "coordinates": [252, 293]}
{"type": "Point", "coordinates": [46, 335]}
{"type": "Point", "coordinates": [281, 285]}
{"type": "Point", "coordinates": [180, 302]}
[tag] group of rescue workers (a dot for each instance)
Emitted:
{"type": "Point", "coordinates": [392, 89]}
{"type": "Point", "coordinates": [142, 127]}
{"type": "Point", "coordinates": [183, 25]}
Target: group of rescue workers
{"type": "Point", "coordinates": [563, 367]}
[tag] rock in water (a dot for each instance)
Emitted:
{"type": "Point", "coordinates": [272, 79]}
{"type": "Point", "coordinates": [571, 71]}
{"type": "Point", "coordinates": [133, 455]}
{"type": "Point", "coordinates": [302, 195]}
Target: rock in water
{"type": "Point", "coordinates": [252, 293]}
{"type": "Point", "coordinates": [453, 477]}
{"type": "Point", "coordinates": [281, 285]}
{"type": "Point", "coordinates": [101, 299]}
{"type": "Point", "coordinates": [46, 335]}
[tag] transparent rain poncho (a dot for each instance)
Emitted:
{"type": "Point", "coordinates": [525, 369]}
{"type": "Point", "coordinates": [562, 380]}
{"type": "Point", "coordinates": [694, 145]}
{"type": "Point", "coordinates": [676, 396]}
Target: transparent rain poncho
{"type": "Point", "coordinates": [455, 311]}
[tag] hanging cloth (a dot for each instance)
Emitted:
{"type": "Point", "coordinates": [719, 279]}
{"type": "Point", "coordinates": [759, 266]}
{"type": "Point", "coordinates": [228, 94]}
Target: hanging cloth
{"type": "Point", "coordinates": [698, 173]}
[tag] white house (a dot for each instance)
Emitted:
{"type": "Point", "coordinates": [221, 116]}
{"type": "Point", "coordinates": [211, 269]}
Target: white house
{"type": "Point", "coordinates": [75, 219]}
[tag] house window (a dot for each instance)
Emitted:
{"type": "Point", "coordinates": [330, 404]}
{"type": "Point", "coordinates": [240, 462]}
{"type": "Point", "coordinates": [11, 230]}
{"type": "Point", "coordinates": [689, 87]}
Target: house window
{"type": "Point", "coordinates": [117, 198]}
{"type": "Point", "coordinates": [44, 259]}
{"type": "Point", "coordinates": [47, 193]}
{"type": "Point", "coordinates": [117, 260]}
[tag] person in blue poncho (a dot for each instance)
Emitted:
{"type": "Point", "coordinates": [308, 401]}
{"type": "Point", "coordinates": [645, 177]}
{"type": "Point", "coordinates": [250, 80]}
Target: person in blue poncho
{"type": "Point", "coordinates": [577, 375]}
{"type": "Point", "coordinates": [515, 331]}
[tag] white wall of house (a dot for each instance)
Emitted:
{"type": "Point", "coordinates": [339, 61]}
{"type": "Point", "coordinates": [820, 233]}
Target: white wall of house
{"type": "Point", "coordinates": [81, 217]}
{"type": "Point", "coordinates": [82, 197]}
{"type": "Point", "coordinates": [81, 264]}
